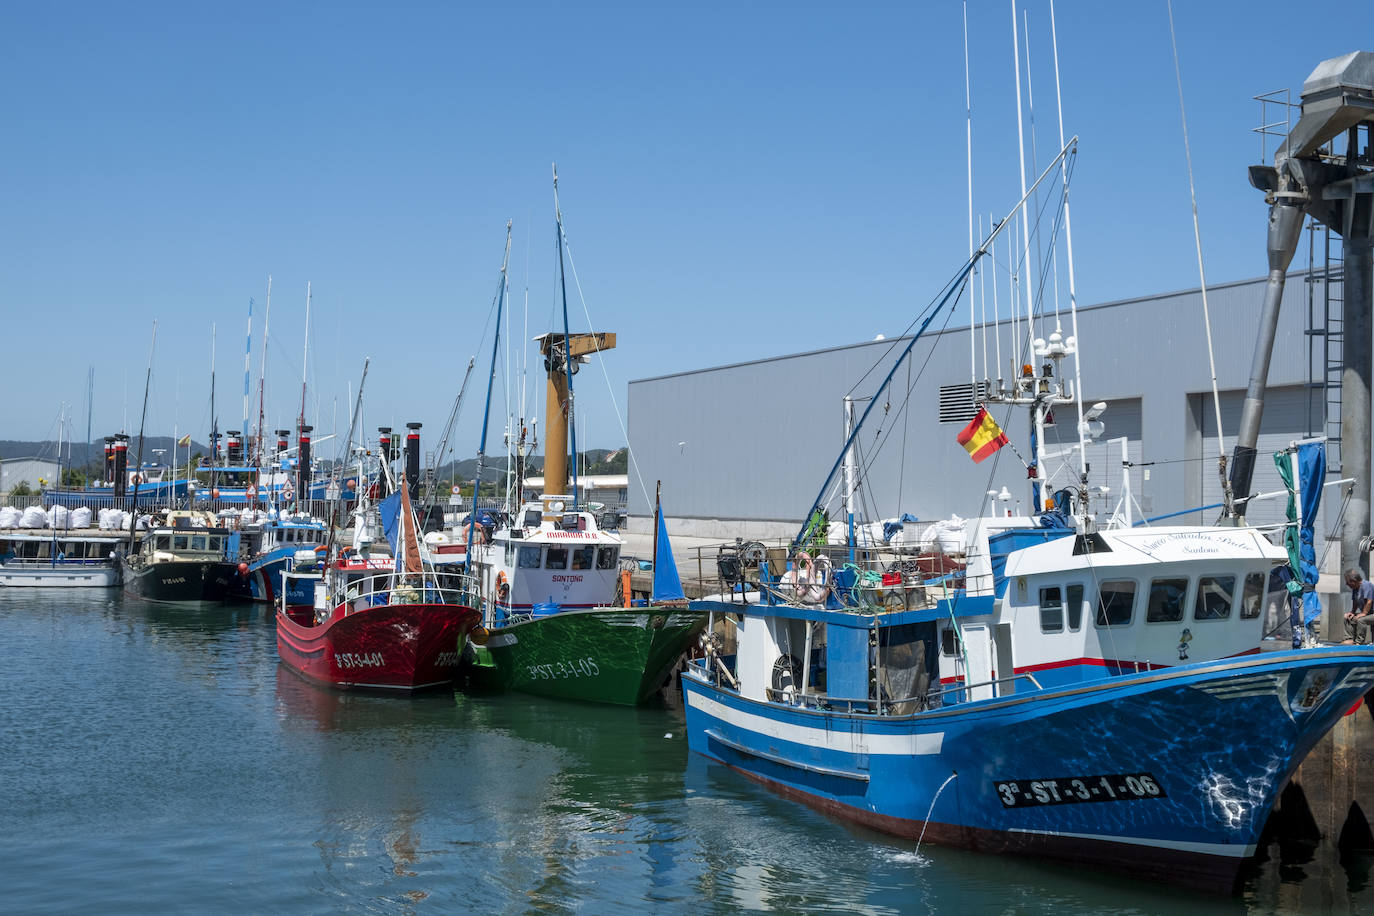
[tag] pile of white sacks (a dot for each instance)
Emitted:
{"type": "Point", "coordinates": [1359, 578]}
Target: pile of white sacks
{"type": "Point", "coordinates": [61, 518]}
{"type": "Point", "coordinates": [945, 536]}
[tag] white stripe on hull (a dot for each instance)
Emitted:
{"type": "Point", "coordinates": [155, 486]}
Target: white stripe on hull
{"type": "Point", "coordinates": [846, 742]}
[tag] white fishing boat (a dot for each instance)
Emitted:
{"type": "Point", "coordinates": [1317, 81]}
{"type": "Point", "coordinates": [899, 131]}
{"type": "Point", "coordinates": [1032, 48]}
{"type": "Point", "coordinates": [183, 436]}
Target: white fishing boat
{"type": "Point", "coordinates": [53, 558]}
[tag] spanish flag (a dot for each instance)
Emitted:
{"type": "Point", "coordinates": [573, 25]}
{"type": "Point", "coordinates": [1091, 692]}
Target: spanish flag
{"type": "Point", "coordinates": [982, 436]}
{"type": "Point", "coordinates": [184, 440]}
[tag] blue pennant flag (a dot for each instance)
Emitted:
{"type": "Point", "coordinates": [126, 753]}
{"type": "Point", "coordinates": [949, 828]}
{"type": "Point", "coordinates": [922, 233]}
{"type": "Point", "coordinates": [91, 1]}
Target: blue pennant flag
{"type": "Point", "coordinates": [667, 585]}
{"type": "Point", "coordinates": [391, 519]}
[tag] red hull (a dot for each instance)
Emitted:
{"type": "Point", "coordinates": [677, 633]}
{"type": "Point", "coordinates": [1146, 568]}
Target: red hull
{"type": "Point", "coordinates": [390, 647]}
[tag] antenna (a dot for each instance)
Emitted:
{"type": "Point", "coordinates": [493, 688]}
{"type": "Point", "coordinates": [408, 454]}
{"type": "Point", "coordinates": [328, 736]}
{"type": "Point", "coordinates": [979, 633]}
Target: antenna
{"type": "Point", "coordinates": [968, 145]}
{"type": "Point", "coordinates": [1073, 293]}
{"type": "Point", "coordinates": [306, 357]}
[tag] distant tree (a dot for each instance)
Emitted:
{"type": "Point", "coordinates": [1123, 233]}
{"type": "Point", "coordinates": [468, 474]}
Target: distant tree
{"type": "Point", "coordinates": [616, 462]}
{"type": "Point", "coordinates": [74, 477]}
{"type": "Point", "coordinates": [22, 488]}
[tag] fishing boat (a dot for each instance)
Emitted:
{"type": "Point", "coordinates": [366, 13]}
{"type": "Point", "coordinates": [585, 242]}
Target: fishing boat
{"type": "Point", "coordinates": [184, 556]}
{"type": "Point", "coordinates": [156, 483]}
{"type": "Point", "coordinates": [380, 623]}
{"type": "Point", "coordinates": [549, 574]}
{"type": "Point", "coordinates": [270, 548]}
{"type": "Point", "coordinates": [59, 558]}
{"type": "Point", "coordinates": [552, 627]}
{"type": "Point", "coordinates": [1085, 693]}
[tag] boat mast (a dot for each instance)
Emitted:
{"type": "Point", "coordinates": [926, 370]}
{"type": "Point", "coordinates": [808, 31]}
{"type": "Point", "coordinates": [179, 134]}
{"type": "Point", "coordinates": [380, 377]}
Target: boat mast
{"type": "Point", "coordinates": [138, 475]}
{"type": "Point", "coordinates": [214, 420]}
{"type": "Point", "coordinates": [849, 473]}
{"type": "Point", "coordinates": [948, 293]}
{"type": "Point", "coordinates": [1073, 292]}
{"type": "Point", "coordinates": [486, 411]}
{"type": "Point", "coordinates": [568, 415]}
{"type": "Point", "coordinates": [262, 379]}
{"type": "Point", "coordinates": [247, 373]}
{"type": "Point", "coordinates": [305, 358]}
{"type": "Point", "coordinates": [348, 447]}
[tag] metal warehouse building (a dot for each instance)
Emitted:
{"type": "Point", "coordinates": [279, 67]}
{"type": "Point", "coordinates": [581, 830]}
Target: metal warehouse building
{"type": "Point", "coordinates": [742, 450]}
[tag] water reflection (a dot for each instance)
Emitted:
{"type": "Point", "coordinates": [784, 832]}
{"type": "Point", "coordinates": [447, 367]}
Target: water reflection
{"type": "Point", "coordinates": [191, 770]}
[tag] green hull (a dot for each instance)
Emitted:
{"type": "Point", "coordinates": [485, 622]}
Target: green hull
{"type": "Point", "coordinates": [602, 655]}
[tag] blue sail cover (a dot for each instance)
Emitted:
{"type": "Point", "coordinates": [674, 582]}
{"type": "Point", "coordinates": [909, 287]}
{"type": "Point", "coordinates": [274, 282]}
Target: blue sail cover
{"type": "Point", "coordinates": [1298, 538]}
{"type": "Point", "coordinates": [667, 585]}
{"type": "Point", "coordinates": [391, 518]}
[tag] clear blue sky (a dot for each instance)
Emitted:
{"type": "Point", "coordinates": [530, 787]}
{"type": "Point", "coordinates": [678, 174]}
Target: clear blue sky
{"type": "Point", "coordinates": [739, 180]}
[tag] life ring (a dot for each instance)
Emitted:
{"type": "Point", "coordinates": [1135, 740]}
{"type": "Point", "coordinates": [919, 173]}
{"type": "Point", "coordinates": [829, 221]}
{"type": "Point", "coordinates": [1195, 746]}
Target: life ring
{"type": "Point", "coordinates": [251, 492]}
{"type": "Point", "coordinates": [288, 491]}
{"type": "Point", "coordinates": [502, 586]}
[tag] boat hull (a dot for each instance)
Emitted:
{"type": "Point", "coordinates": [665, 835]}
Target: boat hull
{"type": "Point", "coordinates": [1168, 775]}
{"type": "Point", "coordinates": [63, 575]}
{"type": "Point", "coordinates": [392, 647]}
{"type": "Point", "coordinates": [600, 655]}
{"type": "Point", "coordinates": [264, 581]}
{"type": "Point", "coordinates": [181, 580]}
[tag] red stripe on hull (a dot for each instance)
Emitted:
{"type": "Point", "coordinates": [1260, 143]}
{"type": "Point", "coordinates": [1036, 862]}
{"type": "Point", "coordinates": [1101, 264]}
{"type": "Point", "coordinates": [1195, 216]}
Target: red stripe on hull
{"type": "Point", "coordinates": [389, 647]}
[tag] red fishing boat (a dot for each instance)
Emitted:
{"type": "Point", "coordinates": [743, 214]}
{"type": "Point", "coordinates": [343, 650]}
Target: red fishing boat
{"type": "Point", "coordinates": [376, 622]}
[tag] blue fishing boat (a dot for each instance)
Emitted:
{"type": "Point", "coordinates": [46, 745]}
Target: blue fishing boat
{"type": "Point", "coordinates": [273, 546]}
{"type": "Point", "coordinates": [1091, 693]}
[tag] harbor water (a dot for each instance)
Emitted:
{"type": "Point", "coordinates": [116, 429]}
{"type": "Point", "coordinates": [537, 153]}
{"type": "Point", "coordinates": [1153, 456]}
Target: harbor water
{"type": "Point", "coordinates": [157, 758]}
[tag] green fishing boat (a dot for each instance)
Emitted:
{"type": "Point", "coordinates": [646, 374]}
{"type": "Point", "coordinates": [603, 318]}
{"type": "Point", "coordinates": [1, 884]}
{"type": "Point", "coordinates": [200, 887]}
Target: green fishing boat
{"type": "Point", "coordinates": [549, 574]}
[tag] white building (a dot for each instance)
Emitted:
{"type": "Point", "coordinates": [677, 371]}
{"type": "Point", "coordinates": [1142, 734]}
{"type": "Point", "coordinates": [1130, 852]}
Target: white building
{"type": "Point", "coordinates": [36, 472]}
{"type": "Point", "coordinates": [743, 449]}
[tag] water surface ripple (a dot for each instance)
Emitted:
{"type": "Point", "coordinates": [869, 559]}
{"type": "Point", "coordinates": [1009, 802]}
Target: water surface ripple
{"type": "Point", "coordinates": [158, 758]}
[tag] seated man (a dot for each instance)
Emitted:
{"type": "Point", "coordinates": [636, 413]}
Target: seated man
{"type": "Point", "coordinates": [1360, 618]}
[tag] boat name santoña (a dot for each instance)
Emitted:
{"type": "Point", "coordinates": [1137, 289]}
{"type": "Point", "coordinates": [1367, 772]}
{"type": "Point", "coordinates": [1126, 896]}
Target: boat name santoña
{"type": "Point", "coordinates": [567, 578]}
{"type": "Point", "coordinates": [359, 659]}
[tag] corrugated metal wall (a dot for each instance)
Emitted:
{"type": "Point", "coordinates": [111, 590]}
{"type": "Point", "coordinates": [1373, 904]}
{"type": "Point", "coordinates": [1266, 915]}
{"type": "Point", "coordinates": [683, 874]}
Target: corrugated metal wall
{"type": "Point", "coordinates": [754, 441]}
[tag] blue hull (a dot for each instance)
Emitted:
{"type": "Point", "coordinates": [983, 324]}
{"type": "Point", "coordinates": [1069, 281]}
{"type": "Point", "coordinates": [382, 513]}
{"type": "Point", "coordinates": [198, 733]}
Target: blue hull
{"type": "Point", "coordinates": [263, 581]}
{"type": "Point", "coordinates": [1168, 775]}
{"type": "Point", "coordinates": [149, 494]}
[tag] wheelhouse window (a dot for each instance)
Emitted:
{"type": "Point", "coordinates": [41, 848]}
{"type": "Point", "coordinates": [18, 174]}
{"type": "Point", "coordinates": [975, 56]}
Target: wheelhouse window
{"type": "Point", "coordinates": [1115, 601]}
{"type": "Point", "coordinates": [1252, 599]}
{"type": "Point", "coordinates": [1051, 610]}
{"type": "Point", "coordinates": [1075, 596]}
{"type": "Point", "coordinates": [509, 552]}
{"type": "Point", "coordinates": [198, 542]}
{"type": "Point", "coordinates": [557, 559]}
{"type": "Point", "coordinates": [1214, 597]}
{"type": "Point", "coordinates": [529, 557]}
{"type": "Point", "coordinates": [179, 541]}
{"type": "Point", "coordinates": [1166, 600]}
{"type": "Point", "coordinates": [582, 557]}
{"type": "Point", "coordinates": [164, 542]}
{"type": "Point", "coordinates": [214, 543]}
{"type": "Point", "coordinates": [949, 642]}
{"type": "Point", "coordinates": [606, 558]}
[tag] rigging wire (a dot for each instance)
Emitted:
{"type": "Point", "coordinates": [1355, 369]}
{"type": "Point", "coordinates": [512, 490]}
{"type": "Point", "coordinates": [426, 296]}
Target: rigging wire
{"type": "Point", "coordinates": [1227, 495]}
{"type": "Point", "coordinates": [630, 454]}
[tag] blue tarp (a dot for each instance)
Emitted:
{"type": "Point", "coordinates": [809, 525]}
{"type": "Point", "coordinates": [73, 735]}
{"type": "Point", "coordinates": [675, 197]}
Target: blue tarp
{"type": "Point", "coordinates": [1298, 536]}
{"type": "Point", "coordinates": [391, 519]}
{"type": "Point", "coordinates": [667, 585]}
{"type": "Point", "coordinates": [891, 528]}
